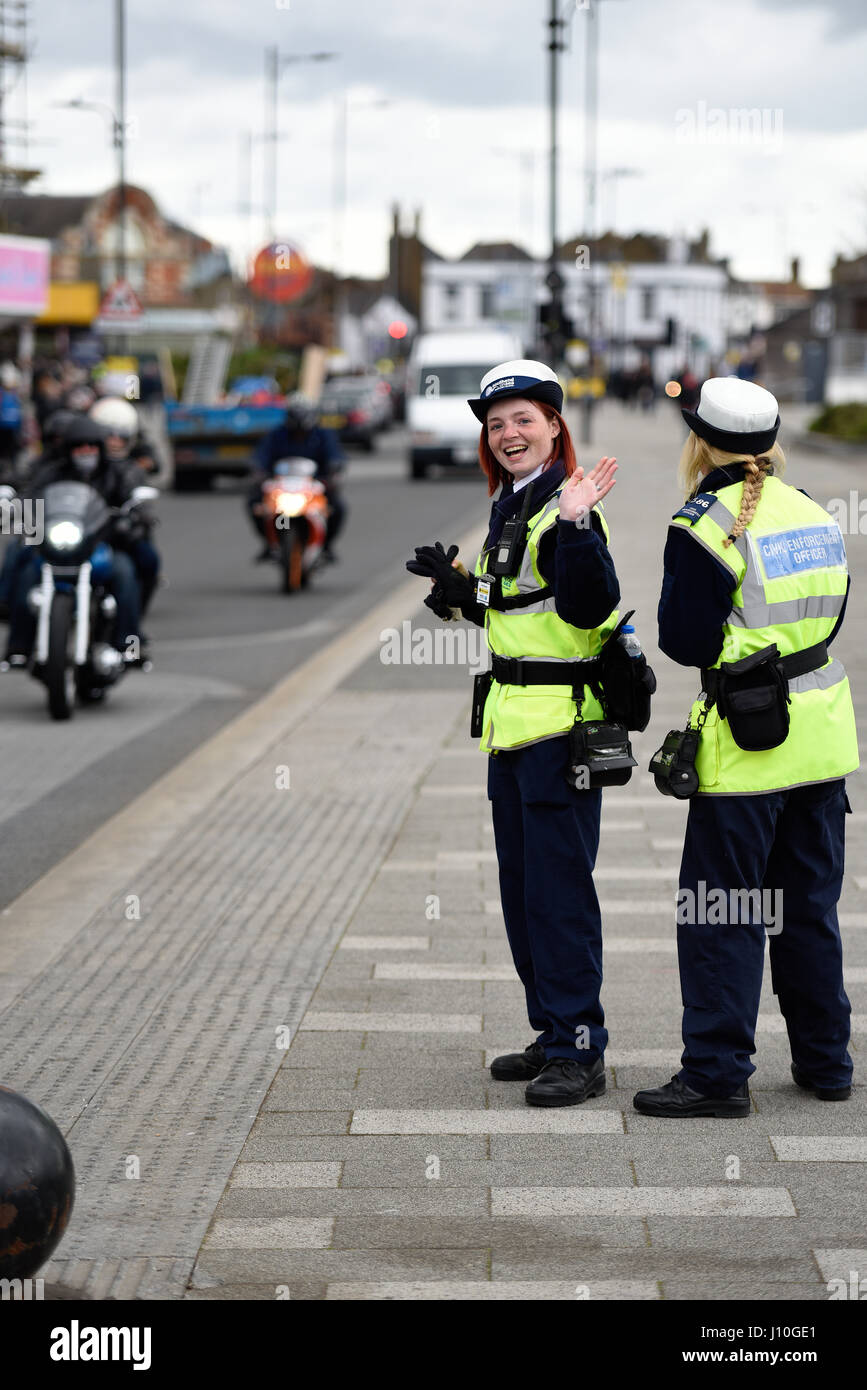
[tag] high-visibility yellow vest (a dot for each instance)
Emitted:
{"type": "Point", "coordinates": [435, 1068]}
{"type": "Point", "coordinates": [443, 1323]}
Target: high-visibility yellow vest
{"type": "Point", "coordinates": [516, 715]}
{"type": "Point", "coordinates": [791, 574]}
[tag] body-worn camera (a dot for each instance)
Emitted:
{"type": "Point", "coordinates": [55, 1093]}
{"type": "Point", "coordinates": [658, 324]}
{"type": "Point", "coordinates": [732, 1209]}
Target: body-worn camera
{"type": "Point", "coordinates": [600, 755]}
{"type": "Point", "coordinates": [673, 765]}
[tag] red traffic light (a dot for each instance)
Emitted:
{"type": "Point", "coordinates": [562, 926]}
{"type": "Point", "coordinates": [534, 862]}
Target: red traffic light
{"type": "Point", "coordinates": [397, 329]}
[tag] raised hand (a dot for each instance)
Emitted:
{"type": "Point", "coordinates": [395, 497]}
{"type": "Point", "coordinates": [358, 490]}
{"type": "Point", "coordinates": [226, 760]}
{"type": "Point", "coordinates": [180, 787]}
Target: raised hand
{"type": "Point", "coordinates": [581, 494]}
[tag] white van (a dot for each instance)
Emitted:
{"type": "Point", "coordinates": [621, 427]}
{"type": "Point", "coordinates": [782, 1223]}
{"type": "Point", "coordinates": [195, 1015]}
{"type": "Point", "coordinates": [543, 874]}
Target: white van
{"type": "Point", "coordinates": [443, 371]}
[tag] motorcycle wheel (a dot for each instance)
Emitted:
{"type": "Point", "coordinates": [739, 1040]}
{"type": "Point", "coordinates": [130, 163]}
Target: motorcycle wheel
{"type": "Point", "coordinates": [292, 559]}
{"type": "Point", "coordinates": [59, 670]}
{"type": "Point", "coordinates": [89, 693]}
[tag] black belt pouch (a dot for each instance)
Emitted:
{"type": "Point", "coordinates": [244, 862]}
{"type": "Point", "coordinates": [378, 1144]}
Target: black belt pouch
{"type": "Point", "coordinates": [754, 698]}
{"type": "Point", "coordinates": [481, 686]}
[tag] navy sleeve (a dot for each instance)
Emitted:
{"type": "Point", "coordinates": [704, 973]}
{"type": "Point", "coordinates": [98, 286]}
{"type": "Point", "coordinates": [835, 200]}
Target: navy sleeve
{"type": "Point", "coordinates": [577, 564]}
{"type": "Point", "coordinates": [329, 454]}
{"type": "Point", "coordinates": [696, 599]}
{"type": "Point", "coordinates": [263, 454]}
{"type": "Point", "coordinates": [839, 622]}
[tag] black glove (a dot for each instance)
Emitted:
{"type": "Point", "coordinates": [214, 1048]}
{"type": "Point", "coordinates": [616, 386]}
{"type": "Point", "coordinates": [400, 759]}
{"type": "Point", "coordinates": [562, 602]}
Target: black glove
{"type": "Point", "coordinates": [435, 601]}
{"type": "Point", "coordinates": [452, 588]}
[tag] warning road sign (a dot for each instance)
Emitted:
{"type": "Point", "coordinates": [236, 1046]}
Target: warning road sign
{"type": "Point", "coordinates": [120, 303]}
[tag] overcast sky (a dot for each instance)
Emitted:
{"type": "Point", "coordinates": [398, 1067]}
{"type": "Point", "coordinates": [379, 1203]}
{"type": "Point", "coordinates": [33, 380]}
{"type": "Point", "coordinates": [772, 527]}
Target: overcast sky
{"type": "Point", "coordinates": [464, 80]}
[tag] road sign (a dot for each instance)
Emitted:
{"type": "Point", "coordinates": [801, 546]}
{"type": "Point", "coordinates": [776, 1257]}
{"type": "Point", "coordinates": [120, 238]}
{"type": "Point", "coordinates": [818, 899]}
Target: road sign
{"type": "Point", "coordinates": [120, 303]}
{"type": "Point", "coordinates": [554, 280]}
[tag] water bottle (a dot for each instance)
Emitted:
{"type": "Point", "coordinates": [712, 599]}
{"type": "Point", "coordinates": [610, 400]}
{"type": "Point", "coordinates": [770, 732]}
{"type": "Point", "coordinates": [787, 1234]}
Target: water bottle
{"type": "Point", "coordinates": [629, 640]}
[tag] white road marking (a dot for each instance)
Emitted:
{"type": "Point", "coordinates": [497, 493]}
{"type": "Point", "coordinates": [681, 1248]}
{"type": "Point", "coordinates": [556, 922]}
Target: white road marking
{"type": "Point", "coordinates": [641, 1201]}
{"type": "Point", "coordinates": [499, 1290]}
{"type": "Point", "coordinates": [828, 1148]}
{"type": "Point", "coordinates": [271, 1233]}
{"type": "Point", "coordinates": [385, 943]}
{"type": "Point", "coordinates": [344, 1022]}
{"type": "Point", "coordinates": [286, 1175]}
{"type": "Point", "coordinates": [569, 1120]}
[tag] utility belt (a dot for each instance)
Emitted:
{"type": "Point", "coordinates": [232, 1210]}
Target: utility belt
{"type": "Point", "coordinates": [753, 696]}
{"type": "Point", "coordinates": [753, 693]}
{"type": "Point", "coordinates": [600, 750]}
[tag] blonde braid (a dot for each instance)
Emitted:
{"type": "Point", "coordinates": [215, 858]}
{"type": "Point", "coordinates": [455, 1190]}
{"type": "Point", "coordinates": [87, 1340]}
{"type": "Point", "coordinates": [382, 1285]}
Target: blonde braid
{"type": "Point", "coordinates": [757, 471]}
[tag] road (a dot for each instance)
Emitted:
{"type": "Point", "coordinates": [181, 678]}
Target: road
{"type": "Point", "coordinates": [222, 635]}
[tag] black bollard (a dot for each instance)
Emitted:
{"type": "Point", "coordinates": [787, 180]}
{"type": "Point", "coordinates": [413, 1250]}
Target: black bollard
{"type": "Point", "coordinates": [37, 1185]}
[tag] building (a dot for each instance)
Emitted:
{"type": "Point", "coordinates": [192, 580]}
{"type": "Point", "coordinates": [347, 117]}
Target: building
{"type": "Point", "coordinates": [169, 267]}
{"type": "Point", "coordinates": [629, 296]}
{"type": "Point", "coordinates": [845, 324]}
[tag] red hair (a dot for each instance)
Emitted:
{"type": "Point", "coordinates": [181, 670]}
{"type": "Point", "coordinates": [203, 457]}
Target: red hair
{"type": "Point", "coordinates": [564, 449]}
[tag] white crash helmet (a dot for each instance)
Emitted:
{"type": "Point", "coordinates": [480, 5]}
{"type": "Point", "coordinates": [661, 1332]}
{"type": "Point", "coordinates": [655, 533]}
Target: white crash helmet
{"type": "Point", "coordinates": [116, 416]}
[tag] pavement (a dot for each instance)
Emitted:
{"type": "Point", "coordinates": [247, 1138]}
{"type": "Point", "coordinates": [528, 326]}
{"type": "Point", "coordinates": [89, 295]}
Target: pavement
{"type": "Point", "coordinates": [291, 942]}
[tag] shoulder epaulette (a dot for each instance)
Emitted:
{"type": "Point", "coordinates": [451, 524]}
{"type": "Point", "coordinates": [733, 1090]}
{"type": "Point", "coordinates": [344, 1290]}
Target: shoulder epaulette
{"type": "Point", "coordinates": [697, 506]}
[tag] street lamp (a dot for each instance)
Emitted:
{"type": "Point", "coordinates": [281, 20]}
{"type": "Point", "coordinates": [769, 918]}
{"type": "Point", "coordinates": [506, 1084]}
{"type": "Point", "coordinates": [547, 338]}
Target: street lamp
{"type": "Point", "coordinates": [591, 110]}
{"type": "Point", "coordinates": [611, 176]}
{"type": "Point", "coordinates": [341, 191]}
{"type": "Point", "coordinates": [275, 62]}
{"type": "Point", "coordinates": [118, 139]}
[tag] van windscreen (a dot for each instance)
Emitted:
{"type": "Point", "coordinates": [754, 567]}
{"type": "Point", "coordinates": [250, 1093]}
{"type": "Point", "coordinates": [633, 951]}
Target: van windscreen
{"type": "Point", "coordinates": [452, 379]}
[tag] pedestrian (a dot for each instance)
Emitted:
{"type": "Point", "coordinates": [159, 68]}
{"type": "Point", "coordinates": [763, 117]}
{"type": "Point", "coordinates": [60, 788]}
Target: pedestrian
{"type": "Point", "coordinates": [753, 593]}
{"type": "Point", "coordinates": [546, 590]}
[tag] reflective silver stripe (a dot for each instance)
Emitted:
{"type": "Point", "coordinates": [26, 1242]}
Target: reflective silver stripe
{"type": "Point", "coordinates": [565, 660]}
{"type": "Point", "coordinates": [711, 550]}
{"type": "Point", "coordinates": [792, 610]}
{"type": "Point", "coordinates": [829, 675]}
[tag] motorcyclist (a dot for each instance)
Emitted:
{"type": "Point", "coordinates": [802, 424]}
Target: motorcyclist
{"type": "Point", "coordinates": [300, 437]}
{"type": "Point", "coordinates": [126, 444]}
{"type": "Point", "coordinates": [53, 432]}
{"type": "Point", "coordinates": [83, 459]}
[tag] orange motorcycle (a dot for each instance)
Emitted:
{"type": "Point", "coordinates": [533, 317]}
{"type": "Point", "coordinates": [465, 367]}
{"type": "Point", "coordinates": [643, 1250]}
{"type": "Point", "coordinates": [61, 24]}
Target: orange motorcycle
{"type": "Point", "coordinates": [294, 508]}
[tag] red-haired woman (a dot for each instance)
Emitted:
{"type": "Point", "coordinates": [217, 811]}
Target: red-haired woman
{"type": "Point", "coordinates": [546, 590]}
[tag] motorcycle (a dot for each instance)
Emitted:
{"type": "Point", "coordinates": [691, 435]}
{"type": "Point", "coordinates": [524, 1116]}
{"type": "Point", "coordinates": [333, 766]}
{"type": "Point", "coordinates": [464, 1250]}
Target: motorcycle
{"type": "Point", "coordinates": [75, 612]}
{"type": "Point", "coordinates": [294, 509]}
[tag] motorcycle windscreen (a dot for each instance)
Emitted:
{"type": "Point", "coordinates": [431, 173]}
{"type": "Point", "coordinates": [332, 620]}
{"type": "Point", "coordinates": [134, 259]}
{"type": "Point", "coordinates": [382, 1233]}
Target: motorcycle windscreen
{"type": "Point", "coordinates": [75, 501]}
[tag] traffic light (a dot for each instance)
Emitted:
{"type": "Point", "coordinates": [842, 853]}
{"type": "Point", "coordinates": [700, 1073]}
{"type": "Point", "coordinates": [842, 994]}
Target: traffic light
{"type": "Point", "coordinates": [553, 325]}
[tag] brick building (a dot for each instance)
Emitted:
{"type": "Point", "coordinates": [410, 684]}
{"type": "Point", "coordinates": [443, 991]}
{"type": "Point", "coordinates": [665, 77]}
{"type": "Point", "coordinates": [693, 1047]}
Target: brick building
{"type": "Point", "coordinates": [164, 261]}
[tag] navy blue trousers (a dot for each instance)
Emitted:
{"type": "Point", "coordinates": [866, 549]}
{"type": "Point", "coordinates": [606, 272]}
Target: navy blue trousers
{"type": "Point", "coordinates": [791, 844]}
{"type": "Point", "coordinates": [547, 836]}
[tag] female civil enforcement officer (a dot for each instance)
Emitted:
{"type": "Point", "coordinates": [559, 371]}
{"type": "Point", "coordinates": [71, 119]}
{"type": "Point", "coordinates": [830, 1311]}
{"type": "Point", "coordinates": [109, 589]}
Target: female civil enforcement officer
{"type": "Point", "coordinates": [553, 606]}
{"type": "Point", "coordinates": [751, 564]}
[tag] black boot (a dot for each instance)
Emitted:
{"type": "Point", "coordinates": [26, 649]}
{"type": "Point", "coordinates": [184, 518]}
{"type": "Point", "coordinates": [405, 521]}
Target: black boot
{"type": "Point", "coordinates": [677, 1101]}
{"type": "Point", "coordinates": [564, 1082]}
{"type": "Point", "coordinates": [519, 1066]}
{"type": "Point", "coordinates": [823, 1092]}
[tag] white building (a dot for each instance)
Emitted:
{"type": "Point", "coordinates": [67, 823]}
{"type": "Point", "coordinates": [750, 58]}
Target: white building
{"type": "Point", "coordinates": [500, 286]}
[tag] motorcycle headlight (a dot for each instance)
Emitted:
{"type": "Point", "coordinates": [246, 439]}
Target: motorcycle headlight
{"type": "Point", "coordinates": [291, 503]}
{"type": "Point", "coordinates": [64, 535]}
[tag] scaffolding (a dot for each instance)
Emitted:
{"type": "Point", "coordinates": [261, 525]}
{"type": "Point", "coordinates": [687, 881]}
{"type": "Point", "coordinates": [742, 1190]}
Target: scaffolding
{"type": "Point", "coordinates": [15, 172]}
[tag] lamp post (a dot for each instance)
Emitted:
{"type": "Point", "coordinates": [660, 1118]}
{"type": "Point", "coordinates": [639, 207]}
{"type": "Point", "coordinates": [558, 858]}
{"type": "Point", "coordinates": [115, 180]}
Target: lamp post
{"type": "Point", "coordinates": [591, 111]}
{"type": "Point", "coordinates": [345, 104]}
{"type": "Point", "coordinates": [118, 129]}
{"type": "Point", "coordinates": [275, 62]}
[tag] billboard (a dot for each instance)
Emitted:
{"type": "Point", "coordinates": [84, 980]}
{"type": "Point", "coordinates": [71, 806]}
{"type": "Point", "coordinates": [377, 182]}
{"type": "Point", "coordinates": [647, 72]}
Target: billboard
{"type": "Point", "coordinates": [25, 267]}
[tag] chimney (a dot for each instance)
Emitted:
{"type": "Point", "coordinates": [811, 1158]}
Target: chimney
{"type": "Point", "coordinates": [416, 226]}
{"type": "Point", "coordinates": [796, 266]}
{"type": "Point", "coordinates": [395, 219]}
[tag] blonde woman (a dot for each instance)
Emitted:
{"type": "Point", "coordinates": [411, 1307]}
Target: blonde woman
{"type": "Point", "coordinates": [754, 591]}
